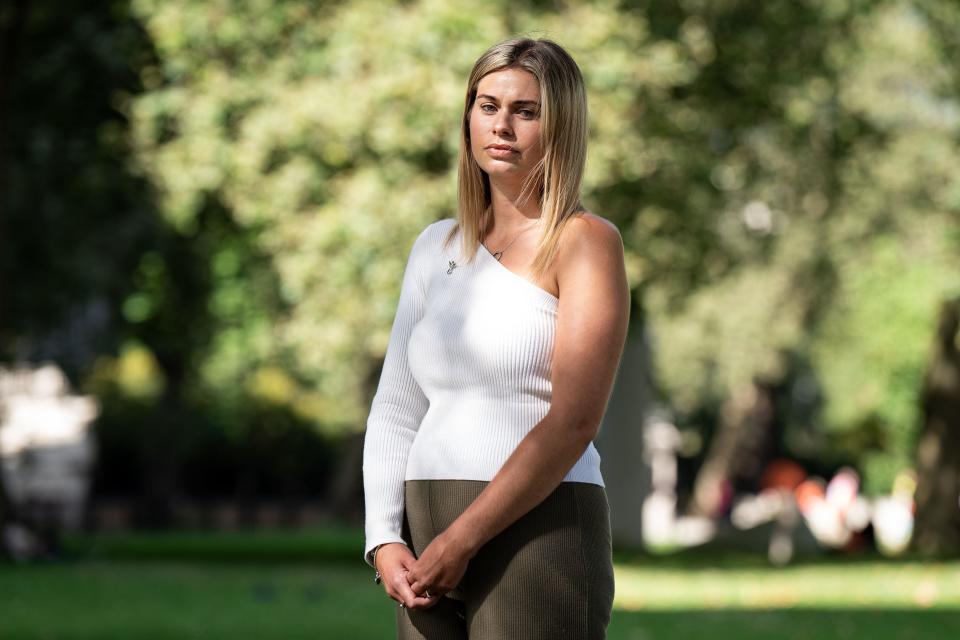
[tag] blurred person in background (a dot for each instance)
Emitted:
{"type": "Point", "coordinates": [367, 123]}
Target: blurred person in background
{"type": "Point", "coordinates": [486, 512]}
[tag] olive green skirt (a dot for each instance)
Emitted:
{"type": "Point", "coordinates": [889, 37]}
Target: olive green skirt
{"type": "Point", "coordinates": [549, 575]}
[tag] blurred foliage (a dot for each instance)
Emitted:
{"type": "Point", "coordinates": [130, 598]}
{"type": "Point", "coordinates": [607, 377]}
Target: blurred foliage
{"type": "Point", "coordinates": [260, 448]}
{"type": "Point", "coordinates": [74, 221]}
{"type": "Point", "coordinates": [134, 373]}
{"type": "Point", "coordinates": [784, 176]}
{"type": "Point", "coordinates": [836, 198]}
{"type": "Point", "coordinates": [337, 152]}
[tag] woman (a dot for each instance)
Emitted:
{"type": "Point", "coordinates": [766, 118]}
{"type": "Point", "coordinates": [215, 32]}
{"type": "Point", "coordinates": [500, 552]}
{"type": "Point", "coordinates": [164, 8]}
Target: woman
{"type": "Point", "coordinates": [486, 510]}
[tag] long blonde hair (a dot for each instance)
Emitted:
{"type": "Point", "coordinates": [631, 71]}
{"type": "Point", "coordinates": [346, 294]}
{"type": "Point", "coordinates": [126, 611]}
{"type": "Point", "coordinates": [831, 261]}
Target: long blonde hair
{"type": "Point", "coordinates": [563, 131]}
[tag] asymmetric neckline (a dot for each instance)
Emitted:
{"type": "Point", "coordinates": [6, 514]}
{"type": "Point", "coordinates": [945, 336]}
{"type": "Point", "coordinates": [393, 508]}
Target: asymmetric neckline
{"type": "Point", "coordinates": [543, 292]}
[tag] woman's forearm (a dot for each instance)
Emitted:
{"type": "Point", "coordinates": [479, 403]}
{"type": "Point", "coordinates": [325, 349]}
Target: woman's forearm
{"type": "Point", "coordinates": [530, 474]}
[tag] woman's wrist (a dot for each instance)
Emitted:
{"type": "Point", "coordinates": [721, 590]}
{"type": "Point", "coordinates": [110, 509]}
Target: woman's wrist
{"type": "Point", "coordinates": [464, 538]}
{"type": "Point", "coordinates": [378, 577]}
{"type": "Point", "coordinates": [373, 557]}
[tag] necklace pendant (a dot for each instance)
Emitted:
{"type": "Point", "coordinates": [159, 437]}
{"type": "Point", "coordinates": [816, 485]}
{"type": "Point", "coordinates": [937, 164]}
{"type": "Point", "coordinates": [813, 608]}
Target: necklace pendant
{"type": "Point", "coordinates": [453, 265]}
{"type": "Point", "coordinates": [497, 255]}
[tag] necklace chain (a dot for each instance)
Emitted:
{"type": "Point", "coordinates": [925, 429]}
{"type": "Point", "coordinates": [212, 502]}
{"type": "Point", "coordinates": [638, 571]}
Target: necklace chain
{"type": "Point", "coordinates": [499, 254]}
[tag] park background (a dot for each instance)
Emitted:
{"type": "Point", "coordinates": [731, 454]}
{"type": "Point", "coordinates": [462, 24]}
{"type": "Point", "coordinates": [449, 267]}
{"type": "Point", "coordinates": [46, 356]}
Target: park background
{"type": "Point", "coordinates": [205, 209]}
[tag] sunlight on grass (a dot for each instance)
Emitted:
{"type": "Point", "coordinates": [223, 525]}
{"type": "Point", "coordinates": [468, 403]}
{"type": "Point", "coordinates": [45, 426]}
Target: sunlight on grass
{"type": "Point", "coordinates": [864, 585]}
{"type": "Point", "coordinates": [314, 584]}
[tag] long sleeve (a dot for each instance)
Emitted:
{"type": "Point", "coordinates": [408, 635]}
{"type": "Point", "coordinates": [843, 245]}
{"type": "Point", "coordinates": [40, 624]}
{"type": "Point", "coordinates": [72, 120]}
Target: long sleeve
{"type": "Point", "coordinates": [398, 407]}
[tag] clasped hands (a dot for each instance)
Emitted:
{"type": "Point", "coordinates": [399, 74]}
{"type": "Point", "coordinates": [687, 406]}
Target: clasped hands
{"type": "Point", "coordinates": [408, 579]}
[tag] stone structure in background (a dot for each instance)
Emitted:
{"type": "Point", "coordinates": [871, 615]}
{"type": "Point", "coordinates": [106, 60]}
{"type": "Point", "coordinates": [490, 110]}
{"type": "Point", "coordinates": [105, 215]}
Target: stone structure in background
{"type": "Point", "coordinates": [47, 453]}
{"type": "Point", "coordinates": [638, 449]}
{"type": "Point", "coordinates": [620, 443]}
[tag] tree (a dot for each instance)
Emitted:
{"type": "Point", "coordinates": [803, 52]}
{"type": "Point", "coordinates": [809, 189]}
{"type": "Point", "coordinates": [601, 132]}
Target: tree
{"type": "Point", "coordinates": [838, 202]}
{"type": "Point", "coordinates": [937, 527]}
{"type": "Point", "coordinates": [75, 220]}
{"type": "Point", "coordinates": [264, 166]}
{"type": "Point", "coordinates": [333, 151]}
{"type": "Point", "coordinates": [11, 36]}
{"type": "Point", "coordinates": [761, 190]}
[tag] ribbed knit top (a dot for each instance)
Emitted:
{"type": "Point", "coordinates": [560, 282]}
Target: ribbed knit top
{"type": "Point", "coordinates": [467, 374]}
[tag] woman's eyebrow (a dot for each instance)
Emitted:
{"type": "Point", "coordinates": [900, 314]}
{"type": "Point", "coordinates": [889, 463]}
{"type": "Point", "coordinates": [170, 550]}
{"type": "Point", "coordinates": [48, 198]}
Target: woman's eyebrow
{"type": "Point", "coordinates": [496, 99]}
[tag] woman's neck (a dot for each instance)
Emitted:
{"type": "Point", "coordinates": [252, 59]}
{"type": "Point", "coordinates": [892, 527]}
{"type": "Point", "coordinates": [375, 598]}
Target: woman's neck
{"type": "Point", "coordinates": [509, 214]}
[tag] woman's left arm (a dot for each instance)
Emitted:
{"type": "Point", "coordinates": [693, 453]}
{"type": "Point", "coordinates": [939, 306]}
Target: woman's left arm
{"type": "Point", "coordinates": [591, 329]}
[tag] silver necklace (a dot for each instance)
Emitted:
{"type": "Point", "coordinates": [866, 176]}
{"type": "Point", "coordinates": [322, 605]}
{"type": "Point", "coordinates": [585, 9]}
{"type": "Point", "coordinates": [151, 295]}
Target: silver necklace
{"type": "Point", "coordinates": [499, 254]}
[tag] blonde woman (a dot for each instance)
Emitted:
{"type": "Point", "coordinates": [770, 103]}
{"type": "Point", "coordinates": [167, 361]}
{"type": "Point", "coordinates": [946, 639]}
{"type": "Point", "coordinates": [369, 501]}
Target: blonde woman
{"type": "Point", "coordinates": [486, 513]}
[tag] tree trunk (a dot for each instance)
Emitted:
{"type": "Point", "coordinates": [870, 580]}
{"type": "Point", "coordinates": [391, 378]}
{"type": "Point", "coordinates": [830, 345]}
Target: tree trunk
{"type": "Point", "coordinates": [937, 527]}
{"type": "Point", "coordinates": [11, 35]}
{"type": "Point", "coordinates": [345, 498]}
{"type": "Point", "coordinates": [162, 458]}
{"type": "Point", "coordinates": [740, 449]}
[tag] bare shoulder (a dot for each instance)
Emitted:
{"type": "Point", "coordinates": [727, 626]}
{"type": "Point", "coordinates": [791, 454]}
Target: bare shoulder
{"type": "Point", "coordinates": [587, 237]}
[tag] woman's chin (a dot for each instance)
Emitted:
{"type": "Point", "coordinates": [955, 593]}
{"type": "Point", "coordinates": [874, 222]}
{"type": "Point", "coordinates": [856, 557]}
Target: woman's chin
{"type": "Point", "coordinates": [506, 171]}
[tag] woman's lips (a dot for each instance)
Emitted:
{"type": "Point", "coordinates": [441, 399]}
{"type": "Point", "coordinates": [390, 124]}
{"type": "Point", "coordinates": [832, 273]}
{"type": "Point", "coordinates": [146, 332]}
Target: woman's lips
{"type": "Point", "coordinates": [500, 153]}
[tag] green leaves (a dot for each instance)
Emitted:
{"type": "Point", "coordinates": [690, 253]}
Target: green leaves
{"type": "Point", "coordinates": [760, 162]}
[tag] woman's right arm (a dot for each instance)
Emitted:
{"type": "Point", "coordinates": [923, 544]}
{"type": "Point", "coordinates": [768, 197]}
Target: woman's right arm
{"type": "Point", "coordinates": [395, 414]}
{"type": "Point", "coordinates": [396, 411]}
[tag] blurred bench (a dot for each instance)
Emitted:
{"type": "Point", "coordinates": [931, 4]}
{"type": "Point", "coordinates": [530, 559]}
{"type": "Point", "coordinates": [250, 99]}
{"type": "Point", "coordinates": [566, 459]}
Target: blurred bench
{"type": "Point", "coordinates": [47, 453]}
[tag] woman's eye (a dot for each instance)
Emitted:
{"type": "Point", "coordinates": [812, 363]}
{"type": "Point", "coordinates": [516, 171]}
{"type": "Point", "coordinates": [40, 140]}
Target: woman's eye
{"type": "Point", "coordinates": [525, 113]}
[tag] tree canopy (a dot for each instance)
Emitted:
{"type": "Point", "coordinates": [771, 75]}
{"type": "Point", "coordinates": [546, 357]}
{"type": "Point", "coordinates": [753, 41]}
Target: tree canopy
{"type": "Point", "coordinates": [783, 174]}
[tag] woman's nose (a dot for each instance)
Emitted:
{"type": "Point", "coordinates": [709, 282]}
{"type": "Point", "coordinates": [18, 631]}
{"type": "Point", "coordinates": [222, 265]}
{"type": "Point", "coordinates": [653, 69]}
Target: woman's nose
{"type": "Point", "coordinates": [501, 124]}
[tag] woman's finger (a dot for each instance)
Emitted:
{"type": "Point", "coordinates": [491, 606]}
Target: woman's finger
{"type": "Point", "coordinates": [410, 599]}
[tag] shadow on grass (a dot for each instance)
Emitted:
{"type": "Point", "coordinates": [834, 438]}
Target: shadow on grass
{"type": "Point", "coordinates": [344, 545]}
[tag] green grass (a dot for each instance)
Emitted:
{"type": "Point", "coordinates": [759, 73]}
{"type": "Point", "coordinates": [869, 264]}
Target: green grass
{"type": "Point", "coordinates": [315, 585]}
{"type": "Point", "coordinates": [327, 545]}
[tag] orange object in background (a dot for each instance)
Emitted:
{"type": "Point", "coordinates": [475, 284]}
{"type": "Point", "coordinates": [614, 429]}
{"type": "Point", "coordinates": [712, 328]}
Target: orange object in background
{"type": "Point", "coordinates": [809, 492]}
{"type": "Point", "coordinates": [782, 473]}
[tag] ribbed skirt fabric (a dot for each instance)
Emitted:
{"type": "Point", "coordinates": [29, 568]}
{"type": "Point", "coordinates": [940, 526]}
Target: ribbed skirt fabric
{"type": "Point", "coordinates": [548, 576]}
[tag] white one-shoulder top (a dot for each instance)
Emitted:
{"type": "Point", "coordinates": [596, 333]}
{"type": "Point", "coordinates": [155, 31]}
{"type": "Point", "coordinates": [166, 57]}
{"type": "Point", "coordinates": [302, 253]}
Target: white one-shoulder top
{"type": "Point", "coordinates": [467, 374]}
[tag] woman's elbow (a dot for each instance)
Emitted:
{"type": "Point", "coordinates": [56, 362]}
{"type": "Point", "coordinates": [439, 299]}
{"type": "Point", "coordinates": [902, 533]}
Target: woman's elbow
{"type": "Point", "coordinates": [578, 428]}
{"type": "Point", "coordinates": [588, 430]}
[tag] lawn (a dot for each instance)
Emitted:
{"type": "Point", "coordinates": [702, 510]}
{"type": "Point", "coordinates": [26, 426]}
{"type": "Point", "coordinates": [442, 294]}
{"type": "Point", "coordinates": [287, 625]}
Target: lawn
{"type": "Point", "coordinates": [314, 585]}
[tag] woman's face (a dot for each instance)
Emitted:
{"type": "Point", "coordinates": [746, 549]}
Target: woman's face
{"type": "Point", "coordinates": [506, 113]}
